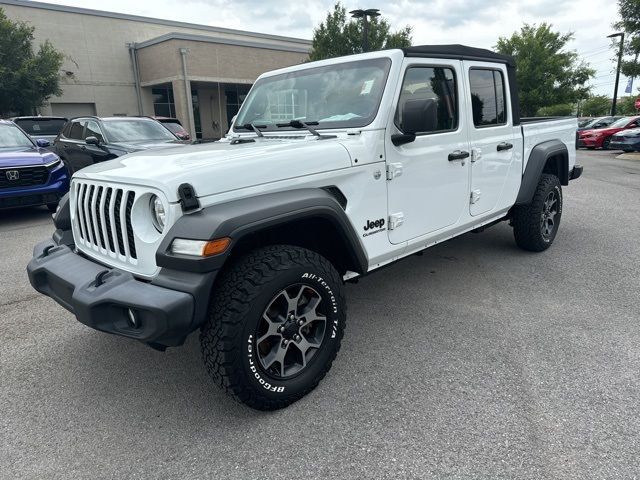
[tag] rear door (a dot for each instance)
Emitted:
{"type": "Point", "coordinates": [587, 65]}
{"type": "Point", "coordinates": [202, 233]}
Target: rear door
{"type": "Point", "coordinates": [491, 134]}
{"type": "Point", "coordinates": [428, 178]}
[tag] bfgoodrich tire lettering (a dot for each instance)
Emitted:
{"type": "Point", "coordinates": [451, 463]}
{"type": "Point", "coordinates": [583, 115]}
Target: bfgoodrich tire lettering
{"type": "Point", "coordinates": [277, 301]}
{"type": "Point", "coordinates": [535, 225]}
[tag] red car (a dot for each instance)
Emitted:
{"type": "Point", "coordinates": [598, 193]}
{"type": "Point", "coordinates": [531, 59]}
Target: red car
{"type": "Point", "coordinates": [601, 137]}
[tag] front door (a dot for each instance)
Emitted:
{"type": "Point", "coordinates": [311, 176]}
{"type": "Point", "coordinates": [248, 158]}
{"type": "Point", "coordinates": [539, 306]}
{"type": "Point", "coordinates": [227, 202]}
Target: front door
{"type": "Point", "coordinates": [491, 134]}
{"type": "Point", "coordinates": [93, 153]}
{"type": "Point", "coordinates": [428, 178]}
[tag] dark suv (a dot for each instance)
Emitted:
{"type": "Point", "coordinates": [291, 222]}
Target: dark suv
{"type": "Point", "coordinates": [41, 128]}
{"type": "Point", "coordinates": [87, 140]}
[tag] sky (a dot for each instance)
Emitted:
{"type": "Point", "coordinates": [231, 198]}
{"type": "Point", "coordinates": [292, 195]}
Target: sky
{"type": "Point", "coordinates": [478, 23]}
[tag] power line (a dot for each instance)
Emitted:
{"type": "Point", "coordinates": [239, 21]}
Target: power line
{"type": "Point", "coordinates": [597, 49]}
{"type": "Point", "coordinates": [595, 54]}
{"type": "Point", "coordinates": [602, 84]}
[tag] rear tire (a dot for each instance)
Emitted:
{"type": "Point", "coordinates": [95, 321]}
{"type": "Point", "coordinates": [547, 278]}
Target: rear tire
{"type": "Point", "coordinates": [275, 326]}
{"type": "Point", "coordinates": [535, 225]}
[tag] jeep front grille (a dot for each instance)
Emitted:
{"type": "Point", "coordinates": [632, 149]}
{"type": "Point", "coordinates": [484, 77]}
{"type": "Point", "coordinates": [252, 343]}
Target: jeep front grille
{"type": "Point", "coordinates": [103, 216]}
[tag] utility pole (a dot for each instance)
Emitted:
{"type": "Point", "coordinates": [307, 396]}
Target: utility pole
{"type": "Point", "coordinates": [365, 14]}
{"type": "Point", "coordinates": [615, 88]}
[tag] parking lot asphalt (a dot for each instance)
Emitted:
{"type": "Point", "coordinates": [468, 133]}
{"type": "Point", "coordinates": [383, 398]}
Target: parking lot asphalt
{"type": "Point", "coordinates": [475, 360]}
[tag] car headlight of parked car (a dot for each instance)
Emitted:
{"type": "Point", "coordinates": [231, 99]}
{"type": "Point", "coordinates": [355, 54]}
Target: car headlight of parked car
{"type": "Point", "coordinates": [158, 213]}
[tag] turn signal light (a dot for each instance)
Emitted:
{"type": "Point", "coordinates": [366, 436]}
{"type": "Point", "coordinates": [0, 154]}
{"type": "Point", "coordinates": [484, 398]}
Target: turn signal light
{"type": "Point", "coordinates": [214, 247]}
{"type": "Point", "coordinates": [200, 248]}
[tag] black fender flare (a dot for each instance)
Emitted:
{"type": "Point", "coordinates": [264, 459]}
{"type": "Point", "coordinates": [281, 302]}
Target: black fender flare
{"type": "Point", "coordinates": [239, 218]}
{"type": "Point", "coordinates": [535, 165]}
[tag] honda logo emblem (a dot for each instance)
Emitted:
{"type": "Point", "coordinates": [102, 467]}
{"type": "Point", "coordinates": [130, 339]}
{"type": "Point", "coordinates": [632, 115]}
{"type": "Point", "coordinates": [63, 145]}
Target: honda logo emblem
{"type": "Point", "coordinates": [12, 175]}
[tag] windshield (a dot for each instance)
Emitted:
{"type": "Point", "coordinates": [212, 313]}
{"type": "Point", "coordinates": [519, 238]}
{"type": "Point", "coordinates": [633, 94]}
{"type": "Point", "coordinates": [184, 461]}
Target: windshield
{"type": "Point", "coordinates": [41, 126]}
{"type": "Point", "coordinates": [134, 130]}
{"type": "Point", "coordinates": [343, 95]}
{"type": "Point", "coordinates": [12, 137]}
{"type": "Point", "coordinates": [623, 122]}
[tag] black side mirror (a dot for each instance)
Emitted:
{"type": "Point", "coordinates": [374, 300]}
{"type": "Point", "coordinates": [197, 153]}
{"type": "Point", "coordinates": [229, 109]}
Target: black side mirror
{"type": "Point", "coordinates": [92, 141]}
{"type": "Point", "coordinates": [418, 115]}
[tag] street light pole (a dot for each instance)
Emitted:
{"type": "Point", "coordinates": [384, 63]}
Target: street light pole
{"type": "Point", "coordinates": [365, 14]}
{"type": "Point", "coordinates": [615, 88]}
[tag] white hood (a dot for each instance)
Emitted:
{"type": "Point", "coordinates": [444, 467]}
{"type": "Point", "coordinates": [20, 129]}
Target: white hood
{"type": "Point", "coordinates": [218, 167]}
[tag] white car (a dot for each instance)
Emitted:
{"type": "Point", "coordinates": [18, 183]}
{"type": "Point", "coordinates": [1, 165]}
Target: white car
{"type": "Point", "coordinates": [331, 170]}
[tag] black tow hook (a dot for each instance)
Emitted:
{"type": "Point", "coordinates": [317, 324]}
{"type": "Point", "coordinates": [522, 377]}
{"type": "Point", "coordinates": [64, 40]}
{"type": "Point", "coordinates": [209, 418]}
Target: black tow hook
{"type": "Point", "coordinates": [100, 278]}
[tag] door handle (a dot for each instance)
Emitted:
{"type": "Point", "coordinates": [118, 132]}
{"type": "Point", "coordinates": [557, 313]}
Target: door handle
{"type": "Point", "coordinates": [458, 155]}
{"type": "Point", "coordinates": [504, 146]}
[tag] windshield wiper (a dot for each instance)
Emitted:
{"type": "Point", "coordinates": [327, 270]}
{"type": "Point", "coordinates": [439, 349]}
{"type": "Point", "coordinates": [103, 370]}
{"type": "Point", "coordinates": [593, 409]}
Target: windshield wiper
{"type": "Point", "coordinates": [251, 126]}
{"type": "Point", "coordinates": [307, 125]}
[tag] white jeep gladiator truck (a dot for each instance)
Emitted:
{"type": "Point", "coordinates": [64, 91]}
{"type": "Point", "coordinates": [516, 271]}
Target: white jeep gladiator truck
{"type": "Point", "coordinates": [331, 170]}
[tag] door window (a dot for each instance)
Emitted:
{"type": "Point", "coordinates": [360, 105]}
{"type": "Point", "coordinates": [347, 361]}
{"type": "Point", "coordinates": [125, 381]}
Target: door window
{"type": "Point", "coordinates": [487, 97]}
{"type": "Point", "coordinates": [431, 83]}
{"type": "Point", "coordinates": [66, 131]}
{"type": "Point", "coordinates": [76, 132]}
{"type": "Point", "coordinates": [93, 130]}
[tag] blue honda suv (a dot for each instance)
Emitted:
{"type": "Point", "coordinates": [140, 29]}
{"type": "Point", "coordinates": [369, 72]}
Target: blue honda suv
{"type": "Point", "coordinates": [30, 175]}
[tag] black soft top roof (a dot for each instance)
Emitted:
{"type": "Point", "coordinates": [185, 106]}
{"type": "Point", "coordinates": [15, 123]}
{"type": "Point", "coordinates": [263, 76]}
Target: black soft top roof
{"type": "Point", "coordinates": [460, 52]}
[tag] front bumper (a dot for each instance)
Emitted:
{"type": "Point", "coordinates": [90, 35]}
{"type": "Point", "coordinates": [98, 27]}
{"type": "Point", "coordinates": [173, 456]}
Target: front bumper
{"type": "Point", "coordinates": [625, 143]}
{"type": "Point", "coordinates": [589, 142]}
{"type": "Point", "coordinates": [576, 172]}
{"type": "Point", "coordinates": [166, 310]}
{"type": "Point", "coordinates": [51, 192]}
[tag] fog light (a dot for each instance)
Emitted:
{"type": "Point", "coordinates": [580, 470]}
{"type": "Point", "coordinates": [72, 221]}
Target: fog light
{"type": "Point", "coordinates": [133, 319]}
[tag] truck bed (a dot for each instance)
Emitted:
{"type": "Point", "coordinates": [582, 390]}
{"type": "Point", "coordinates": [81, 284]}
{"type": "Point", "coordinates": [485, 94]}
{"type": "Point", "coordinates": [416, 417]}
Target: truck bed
{"type": "Point", "coordinates": [536, 130]}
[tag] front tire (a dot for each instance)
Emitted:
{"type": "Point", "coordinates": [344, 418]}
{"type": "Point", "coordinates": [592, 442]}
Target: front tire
{"type": "Point", "coordinates": [535, 225]}
{"type": "Point", "coordinates": [606, 143]}
{"type": "Point", "coordinates": [275, 326]}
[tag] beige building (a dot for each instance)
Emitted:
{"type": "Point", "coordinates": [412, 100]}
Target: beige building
{"type": "Point", "coordinates": [117, 64]}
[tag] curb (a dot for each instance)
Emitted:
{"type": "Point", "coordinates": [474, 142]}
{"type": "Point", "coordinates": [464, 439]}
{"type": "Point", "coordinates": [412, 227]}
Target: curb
{"type": "Point", "coordinates": [629, 156]}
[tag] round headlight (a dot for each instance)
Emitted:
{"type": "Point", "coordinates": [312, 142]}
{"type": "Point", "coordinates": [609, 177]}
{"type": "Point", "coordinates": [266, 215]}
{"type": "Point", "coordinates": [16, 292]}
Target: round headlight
{"type": "Point", "coordinates": [158, 213]}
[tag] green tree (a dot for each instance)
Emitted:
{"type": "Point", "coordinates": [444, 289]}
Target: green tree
{"type": "Point", "coordinates": [27, 78]}
{"type": "Point", "coordinates": [629, 11]}
{"type": "Point", "coordinates": [339, 35]}
{"type": "Point", "coordinates": [625, 106]}
{"type": "Point", "coordinates": [596, 106]}
{"type": "Point", "coordinates": [547, 73]}
{"type": "Point", "coordinates": [560, 110]}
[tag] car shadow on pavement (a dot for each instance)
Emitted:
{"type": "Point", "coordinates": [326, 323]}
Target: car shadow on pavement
{"type": "Point", "coordinates": [18, 216]}
{"type": "Point", "coordinates": [120, 373]}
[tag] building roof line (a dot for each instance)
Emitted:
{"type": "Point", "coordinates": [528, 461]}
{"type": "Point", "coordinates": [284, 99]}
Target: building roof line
{"type": "Point", "coordinates": [157, 21]}
{"type": "Point", "coordinates": [211, 39]}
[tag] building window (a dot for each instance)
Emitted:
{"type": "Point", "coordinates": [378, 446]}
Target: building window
{"type": "Point", "coordinates": [195, 102]}
{"type": "Point", "coordinates": [163, 103]}
{"type": "Point", "coordinates": [235, 96]}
